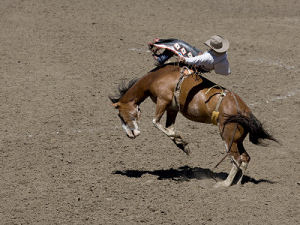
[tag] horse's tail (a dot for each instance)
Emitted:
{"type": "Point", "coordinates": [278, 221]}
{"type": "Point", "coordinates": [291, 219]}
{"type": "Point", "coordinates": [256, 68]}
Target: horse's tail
{"type": "Point", "coordinates": [252, 125]}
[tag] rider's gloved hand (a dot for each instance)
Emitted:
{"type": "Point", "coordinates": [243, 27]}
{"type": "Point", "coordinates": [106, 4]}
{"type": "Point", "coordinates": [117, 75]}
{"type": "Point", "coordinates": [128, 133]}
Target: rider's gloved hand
{"type": "Point", "coordinates": [181, 58]}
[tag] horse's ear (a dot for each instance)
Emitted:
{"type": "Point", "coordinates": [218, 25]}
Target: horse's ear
{"type": "Point", "coordinates": [116, 105]}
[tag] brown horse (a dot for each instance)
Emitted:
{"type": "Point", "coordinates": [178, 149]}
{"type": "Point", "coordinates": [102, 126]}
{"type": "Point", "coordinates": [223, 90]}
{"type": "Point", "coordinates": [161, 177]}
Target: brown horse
{"type": "Point", "coordinates": [178, 89]}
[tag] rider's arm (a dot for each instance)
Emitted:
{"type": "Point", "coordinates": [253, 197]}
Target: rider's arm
{"type": "Point", "coordinates": [199, 60]}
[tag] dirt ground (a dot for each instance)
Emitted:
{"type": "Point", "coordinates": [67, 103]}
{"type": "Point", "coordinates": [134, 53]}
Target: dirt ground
{"type": "Point", "coordinates": [64, 156]}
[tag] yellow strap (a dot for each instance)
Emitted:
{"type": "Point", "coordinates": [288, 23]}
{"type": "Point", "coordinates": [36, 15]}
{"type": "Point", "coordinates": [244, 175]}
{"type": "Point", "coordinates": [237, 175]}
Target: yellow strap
{"type": "Point", "coordinates": [215, 113]}
{"type": "Point", "coordinates": [214, 117]}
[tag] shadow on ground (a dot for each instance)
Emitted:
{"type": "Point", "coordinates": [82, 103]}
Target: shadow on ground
{"type": "Point", "coordinates": [186, 173]}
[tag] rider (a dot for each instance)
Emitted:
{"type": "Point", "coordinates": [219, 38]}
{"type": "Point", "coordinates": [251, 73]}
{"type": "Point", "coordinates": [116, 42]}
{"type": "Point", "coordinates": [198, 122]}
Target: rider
{"type": "Point", "coordinates": [213, 59]}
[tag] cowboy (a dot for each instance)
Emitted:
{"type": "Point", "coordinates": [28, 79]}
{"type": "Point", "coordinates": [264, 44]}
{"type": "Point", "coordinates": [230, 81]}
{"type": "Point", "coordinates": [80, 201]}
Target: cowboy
{"type": "Point", "coordinates": [215, 58]}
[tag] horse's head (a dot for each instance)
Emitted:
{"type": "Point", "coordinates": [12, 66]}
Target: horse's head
{"type": "Point", "coordinates": [129, 114]}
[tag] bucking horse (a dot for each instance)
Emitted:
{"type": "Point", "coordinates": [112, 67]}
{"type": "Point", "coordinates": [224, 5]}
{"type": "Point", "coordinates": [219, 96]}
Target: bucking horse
{"type": "Point", "coordinates": [175, 88]}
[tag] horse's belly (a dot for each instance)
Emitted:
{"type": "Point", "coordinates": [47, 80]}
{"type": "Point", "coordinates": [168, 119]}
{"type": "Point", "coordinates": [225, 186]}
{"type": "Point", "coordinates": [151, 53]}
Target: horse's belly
{"type": "Point", "coordinates": [196, 112]}
{"type": "Point", "coordinates": [197, 118]}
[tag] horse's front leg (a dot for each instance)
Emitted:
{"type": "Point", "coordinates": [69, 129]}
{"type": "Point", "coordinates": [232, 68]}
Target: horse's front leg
{"type": "Point", "coordinates": [161, 106]}
{"type": "Point", "coordinates": [170, 121]}
{"type": "Point", "coordinates": [177, 139]}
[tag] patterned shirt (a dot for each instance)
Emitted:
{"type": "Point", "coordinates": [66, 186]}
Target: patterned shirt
{"type": "Point", "coordinates": [211, 61]}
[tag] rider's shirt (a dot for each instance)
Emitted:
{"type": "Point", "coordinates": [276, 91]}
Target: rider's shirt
{"type": "Point", "coordinates": [210, 61]}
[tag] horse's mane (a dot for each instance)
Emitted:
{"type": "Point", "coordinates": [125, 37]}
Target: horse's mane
{"type": "Point", "coordinates": [122, 89]}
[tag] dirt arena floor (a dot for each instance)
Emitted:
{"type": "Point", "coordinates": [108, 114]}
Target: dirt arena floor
{"type": "Point", "coordinates": [64, 156]}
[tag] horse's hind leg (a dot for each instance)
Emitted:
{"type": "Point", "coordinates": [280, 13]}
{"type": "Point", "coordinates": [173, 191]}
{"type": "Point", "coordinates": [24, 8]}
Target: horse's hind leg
{"type": "Point", "coordinates": [235, 167]}
{"type": "Point", "coordinates": [240, 160]}
{"type": "Point", "coordinates": [233, 135]}
{"type": "Point", "coordinates": [245, 159]}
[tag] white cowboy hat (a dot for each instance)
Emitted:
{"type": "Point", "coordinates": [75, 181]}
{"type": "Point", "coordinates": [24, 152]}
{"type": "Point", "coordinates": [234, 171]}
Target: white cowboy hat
{"type": "Point", "coordinates": [218, 43]}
